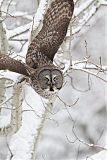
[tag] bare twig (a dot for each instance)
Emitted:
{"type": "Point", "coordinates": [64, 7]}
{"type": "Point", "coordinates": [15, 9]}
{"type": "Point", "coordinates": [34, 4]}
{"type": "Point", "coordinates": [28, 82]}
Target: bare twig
{"type": "Point", "coordinates": [6, 11]}
{"type": "Point", "coordinates": [11, 154]}
{"type": "Point", "coordinates": [83, 142]}
{"type": "Point", "coordinates": [69, 105]}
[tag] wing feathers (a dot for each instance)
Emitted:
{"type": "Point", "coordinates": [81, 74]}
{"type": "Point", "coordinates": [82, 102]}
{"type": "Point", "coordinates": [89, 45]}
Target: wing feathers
{"type": "Point", "coordinates": [53, 32]}
{"type": "Point", "coordinates": [13, 65]}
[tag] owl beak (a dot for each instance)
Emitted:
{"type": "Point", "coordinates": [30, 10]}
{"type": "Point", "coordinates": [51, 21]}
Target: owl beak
{"type": "Point", "coordinates": [51, 87]}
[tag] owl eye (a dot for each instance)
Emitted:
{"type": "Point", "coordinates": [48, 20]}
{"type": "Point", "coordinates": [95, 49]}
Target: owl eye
{"type": "Point", "coordinates": [47, 80]}
{"type": "Point", "coordinates": [55, 78]}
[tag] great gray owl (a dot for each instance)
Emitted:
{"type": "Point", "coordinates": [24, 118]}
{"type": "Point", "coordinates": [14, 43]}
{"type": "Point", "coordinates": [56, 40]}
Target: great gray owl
{"type": "Point", "coordinates": [45, 77]}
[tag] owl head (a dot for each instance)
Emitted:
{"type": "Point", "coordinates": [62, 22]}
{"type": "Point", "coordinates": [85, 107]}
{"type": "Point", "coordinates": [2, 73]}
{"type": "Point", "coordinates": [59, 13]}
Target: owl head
{"type": "Point", "coordinates": [47, 80]}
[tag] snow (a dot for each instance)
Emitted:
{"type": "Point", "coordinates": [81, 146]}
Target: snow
{"type": "Point", "coordinates": [39, 14]}
{"type": "Point", "coordinates": [22, 143]}
{"type": "Point", "coordinates": [99, 156]}
{"type": "Point", "coordinates": [18, 30]}
{"type": "Point", "coordinates": [81, 8]}
{"type": "Point", "coordinates": [4, 121]}
{"type": "Point", "coordinates": [10, 75]}
{"type": "Point", "coordinates": [104, 2]}
{"type": "Point", "coordinates": [87, 14]}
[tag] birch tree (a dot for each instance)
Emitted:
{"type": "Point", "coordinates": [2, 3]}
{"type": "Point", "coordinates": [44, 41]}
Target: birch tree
{"type": "Point", "coordinates": [23, 113]}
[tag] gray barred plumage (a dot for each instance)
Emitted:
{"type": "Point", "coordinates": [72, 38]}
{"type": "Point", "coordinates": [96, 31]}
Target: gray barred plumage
{"type": "Point", "coordinates": [45, 45]}
{"type": "Point", "coordinates": [45, 77]}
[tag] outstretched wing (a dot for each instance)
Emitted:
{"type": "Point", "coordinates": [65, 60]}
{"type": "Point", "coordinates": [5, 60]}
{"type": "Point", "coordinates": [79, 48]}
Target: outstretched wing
{"type": "Point", "coordinates": [7, 63]}
{"type": "Point", "coordinates": [53, 32]}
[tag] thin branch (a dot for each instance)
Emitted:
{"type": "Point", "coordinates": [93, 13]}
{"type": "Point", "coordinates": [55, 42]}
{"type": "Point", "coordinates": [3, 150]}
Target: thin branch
{"type": "Point", "coordinates": [69, 105]}
{"type": "Point", "coordinates": [91, 73]}
{"type": "Point", "coordinates": [18, 34]}
{"type": "Point", "coordinates": [83, 142]}
{"type": "Point", "coordinates": [74, 87]}
{"type": "Point", "coordinates": [6, 11]}
{"type": "Point", "coordinates": [11, 154]}
{"type": "Point", "coordinates": [6, 102]}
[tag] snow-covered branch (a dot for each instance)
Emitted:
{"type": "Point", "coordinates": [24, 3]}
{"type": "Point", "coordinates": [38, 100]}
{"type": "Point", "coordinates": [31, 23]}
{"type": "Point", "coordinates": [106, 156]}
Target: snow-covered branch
{"type": "Point", "coordinates": [90, 68]}
{"type": "Point", "coordinates": [28, 111]}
